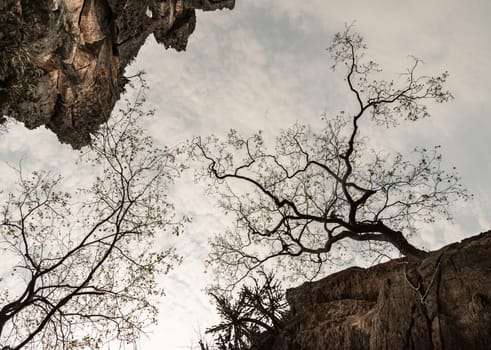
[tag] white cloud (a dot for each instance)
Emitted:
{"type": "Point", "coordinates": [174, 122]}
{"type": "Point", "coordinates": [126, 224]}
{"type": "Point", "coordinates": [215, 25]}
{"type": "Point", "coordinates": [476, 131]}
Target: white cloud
{"type": "Point", "coordinates": [264, 66]}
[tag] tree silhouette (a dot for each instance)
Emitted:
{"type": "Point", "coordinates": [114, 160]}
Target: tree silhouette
{"type": "Point", "coordinates": [83, 265]}
{"type": "Point", "coordinates": [257, 311]}
{"type": "Point", "coordinates": [318, 189]}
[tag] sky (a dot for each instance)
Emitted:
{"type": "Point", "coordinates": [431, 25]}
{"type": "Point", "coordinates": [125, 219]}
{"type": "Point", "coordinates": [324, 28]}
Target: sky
{"type": "Point", "coordinates": [264, 65]}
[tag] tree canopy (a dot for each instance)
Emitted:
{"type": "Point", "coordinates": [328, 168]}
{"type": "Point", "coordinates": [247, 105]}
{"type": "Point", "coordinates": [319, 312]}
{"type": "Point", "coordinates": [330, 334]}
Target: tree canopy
{"type": "Point", "coordinates": [301, 203]}
{"type": "Point", "coordinates": [84, 264]}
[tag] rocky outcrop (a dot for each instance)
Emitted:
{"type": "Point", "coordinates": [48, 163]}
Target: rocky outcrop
{"type": "Point", "coordinates": [442, 302]}
{"type": "Point", "coordinates": [62, 61]}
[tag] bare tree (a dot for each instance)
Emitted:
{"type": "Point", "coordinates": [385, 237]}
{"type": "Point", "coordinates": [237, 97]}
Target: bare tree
{"type": "Point", "coordinates": [83, 265]}
{"type": "Point", "coordinates": [301, 203]}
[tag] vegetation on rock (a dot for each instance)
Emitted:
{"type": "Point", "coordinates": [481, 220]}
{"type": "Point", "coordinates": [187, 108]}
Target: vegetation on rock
{"type": "Point", "coordinates": [320, 193]}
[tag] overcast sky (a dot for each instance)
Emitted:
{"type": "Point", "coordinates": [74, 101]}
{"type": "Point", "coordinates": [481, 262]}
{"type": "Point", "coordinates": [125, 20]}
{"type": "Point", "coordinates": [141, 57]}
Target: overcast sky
{"type": "Point", "coordinates": [264, 66]}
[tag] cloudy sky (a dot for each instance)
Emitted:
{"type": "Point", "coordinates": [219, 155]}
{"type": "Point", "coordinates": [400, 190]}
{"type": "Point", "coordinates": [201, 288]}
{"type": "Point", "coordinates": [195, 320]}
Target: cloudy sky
{"type": "Point", "coordinates": [264, 66]}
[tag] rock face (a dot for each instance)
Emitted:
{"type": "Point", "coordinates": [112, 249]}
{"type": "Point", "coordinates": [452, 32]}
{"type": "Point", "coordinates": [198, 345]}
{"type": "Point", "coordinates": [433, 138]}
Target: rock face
{"type": "Point", "coordinates": [442, 302]}
{"type": "Point", "coordinates": [62, 61]}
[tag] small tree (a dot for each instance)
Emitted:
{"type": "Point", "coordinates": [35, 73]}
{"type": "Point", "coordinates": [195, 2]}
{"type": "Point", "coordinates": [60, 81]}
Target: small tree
{"type": "Point", "coordinates": [319, 189]}
{"type": "Point", "coordinates": [256, 313]}
{"type": "Point", "coordinates": [83, 267]}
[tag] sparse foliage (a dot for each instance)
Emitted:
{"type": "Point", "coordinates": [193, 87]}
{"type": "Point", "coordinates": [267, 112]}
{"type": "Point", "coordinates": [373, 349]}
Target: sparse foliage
{"type": "Point", "coordinates": [301, 203]}
{"type": "Point", "coordinates": [83, 265]}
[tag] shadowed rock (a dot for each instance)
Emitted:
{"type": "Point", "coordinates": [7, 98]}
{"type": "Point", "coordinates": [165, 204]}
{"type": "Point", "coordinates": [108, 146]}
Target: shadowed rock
{"type": "Point", "coordinates": [62, 61]}
{"type": "Point", "coordinates": [443, 302]}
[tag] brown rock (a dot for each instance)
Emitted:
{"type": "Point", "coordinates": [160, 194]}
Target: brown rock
{"type": "Point", "coordinates": [442, 302]}
{"type": "Point", "coordinates": [66, 58]}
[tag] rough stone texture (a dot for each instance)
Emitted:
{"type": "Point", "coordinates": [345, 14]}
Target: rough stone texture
{"type": "Point", "coordinates": [62, 61]}
{"type": "Point", "coordinates": [442, 302]}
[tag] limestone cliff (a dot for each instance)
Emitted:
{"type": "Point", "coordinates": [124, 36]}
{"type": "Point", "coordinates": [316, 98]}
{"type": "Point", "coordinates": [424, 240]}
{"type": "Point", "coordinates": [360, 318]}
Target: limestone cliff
{"type": "Point", "coordinates": [62, 61]}
{"type": "Point", "coordinates": [443, 302]}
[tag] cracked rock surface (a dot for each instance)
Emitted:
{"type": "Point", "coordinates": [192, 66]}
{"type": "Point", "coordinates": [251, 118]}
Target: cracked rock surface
{"type": "Point", "coordinates": [441, 302]}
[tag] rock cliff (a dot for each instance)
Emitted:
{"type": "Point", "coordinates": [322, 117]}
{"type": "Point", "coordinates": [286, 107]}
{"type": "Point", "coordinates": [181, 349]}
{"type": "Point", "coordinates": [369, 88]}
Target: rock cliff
{"type": "Point", "coordinates": [62, 61]}
{"type": "Point", "coordinates": [442, 302]}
